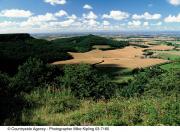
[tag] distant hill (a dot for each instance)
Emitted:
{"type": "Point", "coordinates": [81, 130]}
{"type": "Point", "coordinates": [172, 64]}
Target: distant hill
{"type": "Point", "coordinates": [85, 43]}
{"type": "Point", "coordinates": [15, 49]}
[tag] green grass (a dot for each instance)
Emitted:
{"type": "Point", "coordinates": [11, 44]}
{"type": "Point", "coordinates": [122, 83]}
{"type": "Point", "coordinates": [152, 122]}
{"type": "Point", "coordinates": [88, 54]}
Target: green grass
{"type": "Point", "coordinates": [118, 75]}
{"type": "Point", "coordinates": [158, 42]}
{"type": "Point", "coordinates": [167, 56]}
{"type": "Point", "coordinates": [101, 47]}
{"type": "Point", "coordinates": [115, 112]}
{"type": "Point", "coordinates": [154, 42]}
{"type": "Point", "coordinates": [175, 65]}
{"type": "Point", "coordinates": [172, 43]}
{"type": "Point", "coordinates": [172, 55]}
{"type": "Point", "coordinates": [175, 42]}
{"type": "Point", "coordinates": [172, 52]}
{"type": "Point", "coordinates": [123, 79]}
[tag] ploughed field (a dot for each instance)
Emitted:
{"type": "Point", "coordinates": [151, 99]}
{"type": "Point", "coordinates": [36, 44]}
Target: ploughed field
{"type": "Point", "coordinates": [128, 57]}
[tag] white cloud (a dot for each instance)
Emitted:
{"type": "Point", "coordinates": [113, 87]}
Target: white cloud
{"type": "Point", "coordinates": [62, 21]}
{"type": "Point", "coordinates": [65, 23]}
{"type": "Point", "coordinates": [50, 22]}
{"type": "Point", "coordinates": [157, 24]}
{"type": "Point", "coordinates": [56, 2]}
{"type": "Point", "coordinates": [134, 23]}
{"type": "Point", "coordinates": [174, 2]}
{"type": "Point", "coordinates": [90, 15]}
{"type": "Point", "coordinates": [15, 13]}
{"type": "Point", "coordinates": [147, 16]}
{"type": "Point", "coordinates": [73, 16]}
{"type": "Point", "coordinates": [38, 20]}
{"type": "Point", "coordinates": [91, 23]}
{"type": "Point", "coordinates": [89, 7]}
{"type": "Point", "coordinates": [46, 17]}
{"type": "Point", "coordinates": [106, 23]}
{"type": "Point", "coordinates": [146, 23]}
{"type": "Point", "coordinates": [116, 15]}
{"type": "Point", "coordinates": [171, 18]}
{"type": "Point", "coordinates": [61, 13]}
{"type": "Point", "coordinates": [89, 20]}
{"type": "Point", "coordinates": [8, 24]}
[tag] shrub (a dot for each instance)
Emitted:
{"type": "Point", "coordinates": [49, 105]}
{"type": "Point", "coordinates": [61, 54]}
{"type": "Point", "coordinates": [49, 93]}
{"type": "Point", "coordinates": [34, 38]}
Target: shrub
{"type": "Point", "coordinates": [84, 81]}
{"type": "Point", "coordinates": [139, 85]}
{"type": "Point", "coordinates": [166, 83]}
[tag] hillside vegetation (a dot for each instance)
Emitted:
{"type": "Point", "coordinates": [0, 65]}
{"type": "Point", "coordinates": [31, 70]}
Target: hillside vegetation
{"type": "Point", "coordinates": [43, 94]}
{"type": "Point", "coordinates": [86, 43]}
{"type": "Point", "coordinates": [81, 95]}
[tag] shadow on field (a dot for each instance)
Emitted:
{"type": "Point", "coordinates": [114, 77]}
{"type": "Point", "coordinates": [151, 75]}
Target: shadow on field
{"type": "Point", "coordinates": [113, 70]}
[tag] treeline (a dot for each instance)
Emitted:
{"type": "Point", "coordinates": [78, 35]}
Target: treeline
{"type": "Point", "coordinates": [15, 49]}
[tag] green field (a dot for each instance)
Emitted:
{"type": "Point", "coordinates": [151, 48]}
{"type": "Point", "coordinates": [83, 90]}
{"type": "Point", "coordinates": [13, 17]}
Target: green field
{"type": "Point", "coordinates": [171, 66]}
{"type": "Point", "coordinates": [174, 42]}
{"type": "Point", "coordinates": [167, 56]}
{"type": "Point", "coordinates": [116, 112]}
{"type": "Point", "coordinates": [101, 47]}
{"type": "Point", "coordinates": [118, 75]}
{"type": "Point", "coordinates": [170, 43]}
{"type": "Point", "coordinates": [172, 55]}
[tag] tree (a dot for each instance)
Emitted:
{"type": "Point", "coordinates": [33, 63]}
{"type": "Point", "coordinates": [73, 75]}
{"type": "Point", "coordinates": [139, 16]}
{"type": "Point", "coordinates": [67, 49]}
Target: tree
{"type": "Point", "coordinates": [33, 73]}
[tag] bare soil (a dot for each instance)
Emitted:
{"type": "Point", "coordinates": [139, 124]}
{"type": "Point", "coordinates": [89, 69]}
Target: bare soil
{"type": "Point", "coordinates": [128, 57]}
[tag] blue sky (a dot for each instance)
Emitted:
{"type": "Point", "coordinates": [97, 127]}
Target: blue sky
{"type": "Point", "coordinates": [35, 16]}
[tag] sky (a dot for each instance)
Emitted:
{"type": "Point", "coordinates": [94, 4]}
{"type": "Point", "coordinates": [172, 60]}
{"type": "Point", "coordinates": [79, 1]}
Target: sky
{"type": "Point", "coordinates": [54, 16]}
